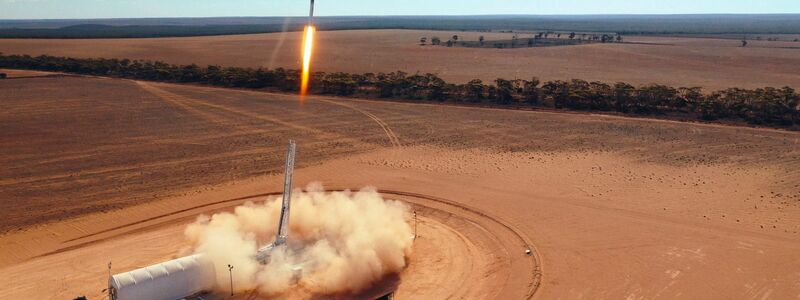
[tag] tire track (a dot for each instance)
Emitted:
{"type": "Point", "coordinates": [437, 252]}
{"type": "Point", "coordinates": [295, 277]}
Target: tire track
{"type": "Point", "coordinates": [190, 105]}
{"type": "Point", "coordinates": [182, 102]}
{"type": "Point", "coordinates": [79, 155]}
{"type": "Point", "coordinates": [393, 139]}
{"type": "Point", "coordinates": [160, 164]}
{"type": "Point", "coordinates": [172, 162]}
{"type": "Point", "coordinates": [319, 134]}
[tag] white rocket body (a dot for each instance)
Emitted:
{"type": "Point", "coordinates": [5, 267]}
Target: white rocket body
{"type": "Point", "coordinates": [311, 14]}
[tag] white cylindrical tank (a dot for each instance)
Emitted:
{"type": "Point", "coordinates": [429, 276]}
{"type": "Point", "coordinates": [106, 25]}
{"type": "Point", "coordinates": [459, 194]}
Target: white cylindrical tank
{"type": "Point", "coordinates": [169, 280]}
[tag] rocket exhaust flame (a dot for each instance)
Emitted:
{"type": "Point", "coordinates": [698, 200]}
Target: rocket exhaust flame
{"type": "Point", "coordinates": [308, 46]}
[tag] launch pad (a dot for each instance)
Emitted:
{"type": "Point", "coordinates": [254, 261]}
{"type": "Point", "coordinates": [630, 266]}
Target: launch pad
{"type": "Point", "coordinates": [194, 274]}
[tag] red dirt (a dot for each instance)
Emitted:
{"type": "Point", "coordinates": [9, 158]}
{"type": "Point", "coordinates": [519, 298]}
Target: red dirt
{"type": "Point", "coordinates": [614, 207]}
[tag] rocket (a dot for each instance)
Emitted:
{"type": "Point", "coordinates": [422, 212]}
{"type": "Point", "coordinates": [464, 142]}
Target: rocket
{"type": "Point", "coordinates": [308, 47]}
{"type": "Point", "coordinates": [311, 14]}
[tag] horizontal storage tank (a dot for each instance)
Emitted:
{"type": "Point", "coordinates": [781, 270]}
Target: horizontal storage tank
{"type": "Point", "coordinates": [169, 280]}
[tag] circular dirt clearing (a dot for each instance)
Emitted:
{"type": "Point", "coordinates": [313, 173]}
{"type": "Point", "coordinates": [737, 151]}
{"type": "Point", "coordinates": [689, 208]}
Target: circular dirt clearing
{"type": "Point", "coordinates": [462, 252]}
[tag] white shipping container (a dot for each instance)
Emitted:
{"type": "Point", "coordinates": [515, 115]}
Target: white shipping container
{"type": "Point", "coordinates": [169, 280]}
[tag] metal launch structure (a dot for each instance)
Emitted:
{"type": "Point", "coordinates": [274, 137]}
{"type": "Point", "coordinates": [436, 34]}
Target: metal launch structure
{"type": "Point", "coordinates": [191, 275]}
{"type": "Point", "coordinates": [265, 252]}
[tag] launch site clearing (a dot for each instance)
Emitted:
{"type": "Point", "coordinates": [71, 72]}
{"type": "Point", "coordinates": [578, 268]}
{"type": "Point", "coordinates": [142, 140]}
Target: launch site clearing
{"type": "Point", "coordinates": [609, 205]}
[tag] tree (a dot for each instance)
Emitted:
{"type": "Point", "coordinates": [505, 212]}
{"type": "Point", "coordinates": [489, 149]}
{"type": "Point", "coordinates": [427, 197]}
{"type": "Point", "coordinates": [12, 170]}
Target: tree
{"type": "Point", "coordinates": [474, 90]}
{"type": "Point", "coordinates": [480, 40]}
{"type": "Point", "coordinates": [771, 106]}
{"type": "Point", "coordinates": [341, 84]}
{"type": "Point", "coordinates": [623, 96]}
{"type": "Point", "coordinates": [423, 40]}
{"type": "Point", "coordinates": [709, 107]}
{"type": "Point", "coordinates": [653, 98]}
{"type": "Point", "coordinates": [556, 92]}
{"type": "Point", "coordinates": [571, 35]}
{"type": "Point", "coordinates": [600, 96]}
{"type": "Point", "coordinates": [392, 84]}
{"type": "Point", "coordinates": [436, 87]}
{"type": "Point", "coordinates": [436, 41]}
{"type": "Point", "coordinates": [691, 97]}
{"type": "Point", "coordinates": [503, 91]}
{"type": "Point", "coordinates": [578, 96]}
{"type": "Point", "coordinates": [415, 87]}
{"type": "Point", "coordinates": [530, 91]}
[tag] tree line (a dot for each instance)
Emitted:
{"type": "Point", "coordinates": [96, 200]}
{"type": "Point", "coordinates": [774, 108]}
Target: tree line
{"type": "Point", "coordinates": [778, 107]}
{"type": "Point", "coordinates": [540, 39]}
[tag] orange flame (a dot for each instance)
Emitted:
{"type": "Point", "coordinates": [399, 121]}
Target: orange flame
{"type": "Point", "coordinates": [308, 46]}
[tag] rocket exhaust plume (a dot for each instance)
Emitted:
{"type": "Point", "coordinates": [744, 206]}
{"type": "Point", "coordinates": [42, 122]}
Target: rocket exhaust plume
{"type": "Point", "coordinates": [308, 47]}
{"type": "Point", "coordinates": [338, 242]}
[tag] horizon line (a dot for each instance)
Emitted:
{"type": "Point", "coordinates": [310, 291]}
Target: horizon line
{"type": "Point", "coordinates": [419, 15]}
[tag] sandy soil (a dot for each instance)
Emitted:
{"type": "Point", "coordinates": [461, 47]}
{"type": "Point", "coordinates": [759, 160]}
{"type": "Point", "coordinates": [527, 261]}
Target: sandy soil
{"type": "Point", "coordinates": [612, 207]}
{"type": "Point", "coordinates": [705, 62]}
{"type": "Point", "coordinates": [25, 73]}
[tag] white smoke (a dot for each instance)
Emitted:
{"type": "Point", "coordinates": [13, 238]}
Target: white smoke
{"type": "Point", "coordinates": [339, 242]}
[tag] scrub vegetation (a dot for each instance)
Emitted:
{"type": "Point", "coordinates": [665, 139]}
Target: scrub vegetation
{"type": "Point", "coordinates": [777, 107]}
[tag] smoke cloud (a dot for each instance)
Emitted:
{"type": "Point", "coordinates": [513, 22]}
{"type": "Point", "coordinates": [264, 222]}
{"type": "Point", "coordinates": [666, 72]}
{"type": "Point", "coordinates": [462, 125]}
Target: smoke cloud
{"type": "Point", "coordinates": [339, 242]}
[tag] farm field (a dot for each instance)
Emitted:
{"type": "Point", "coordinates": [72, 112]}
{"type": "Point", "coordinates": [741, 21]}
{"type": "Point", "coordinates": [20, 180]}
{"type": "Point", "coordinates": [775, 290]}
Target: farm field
{"type": "Point", "coordinates": [612, 207]}
{"type": "Point", "coordinates": [10, 73]}
{"type": "Point", "coordinates": [711, 63]}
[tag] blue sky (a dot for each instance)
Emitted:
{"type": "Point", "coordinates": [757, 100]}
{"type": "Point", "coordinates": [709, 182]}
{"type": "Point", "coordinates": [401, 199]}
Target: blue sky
{"type": "Point", "coordinates": [49, 9]}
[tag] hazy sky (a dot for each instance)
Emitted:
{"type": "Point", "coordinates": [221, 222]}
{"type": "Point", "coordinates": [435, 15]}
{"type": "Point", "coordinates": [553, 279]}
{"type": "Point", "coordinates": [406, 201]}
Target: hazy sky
{"type": "Point", "coordinates": [25, 9]}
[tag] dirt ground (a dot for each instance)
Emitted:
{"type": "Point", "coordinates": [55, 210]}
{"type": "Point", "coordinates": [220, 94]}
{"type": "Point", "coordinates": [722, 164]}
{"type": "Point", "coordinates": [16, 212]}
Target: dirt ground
{"type": "Point", "coordinates": [705, 62]}
{"type": "Point", "coordinates": [25, 73]}
{"type": "Point", "coordinates": [96, 170]}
